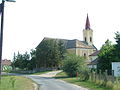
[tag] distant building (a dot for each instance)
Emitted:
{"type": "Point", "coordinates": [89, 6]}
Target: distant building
{"type": "Point", "coordinates": [94, 60]}
{"type": "Point", "coordinates": [94, 55]}
{"type": "Point", "coordinates": [6, 62]}
{"type": "Point", "coordinates": [81, 48]}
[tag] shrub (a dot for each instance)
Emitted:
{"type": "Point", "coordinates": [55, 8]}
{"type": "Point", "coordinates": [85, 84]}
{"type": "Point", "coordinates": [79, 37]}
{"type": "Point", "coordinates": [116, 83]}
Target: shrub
{"type": "Point", "coordinates": [116, 85]}
{"type": "Point", "coordinates": [109, 84]}
{"type": "Point", "coordinates": [83, 74]}
{"type": "Point", "coordinates": [73, 64]}
{"type": "Point", "coordinates": [101, 82]}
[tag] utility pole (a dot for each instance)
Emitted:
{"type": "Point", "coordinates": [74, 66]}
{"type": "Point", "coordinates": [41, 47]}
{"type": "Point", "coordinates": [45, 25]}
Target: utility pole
{"type": "Point", "coordinates": [1, 32]}
{"type": "Point", "coordinates": [1, 35]}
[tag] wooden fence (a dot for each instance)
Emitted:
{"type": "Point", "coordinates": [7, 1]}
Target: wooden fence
{"type": "Point", "coordinates": [98, 76]}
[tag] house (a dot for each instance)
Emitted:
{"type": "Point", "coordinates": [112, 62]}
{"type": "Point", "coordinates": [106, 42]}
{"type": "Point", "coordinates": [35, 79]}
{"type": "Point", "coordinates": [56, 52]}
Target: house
{"type": "Point", "coordinates": [94, 55]}
{"type": "Point", "coordinates": [5, 62]}
{"type": "Point", "coordinates": [94, 60]}
{"type": "Point", "coordinates": [78, 47]}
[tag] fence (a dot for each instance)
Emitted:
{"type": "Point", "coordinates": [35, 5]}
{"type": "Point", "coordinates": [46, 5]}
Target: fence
{"type": "Point", "coordinates": [98, 76]}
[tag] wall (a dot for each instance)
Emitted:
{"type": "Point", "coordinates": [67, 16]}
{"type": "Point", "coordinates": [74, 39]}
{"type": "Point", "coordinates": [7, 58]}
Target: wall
{"type": "Point", "coordinates": [93, 58]}
{"type": "Point", "coordinates": [71, 51]}
{"type": "Point", "coordinates": [116, 68]}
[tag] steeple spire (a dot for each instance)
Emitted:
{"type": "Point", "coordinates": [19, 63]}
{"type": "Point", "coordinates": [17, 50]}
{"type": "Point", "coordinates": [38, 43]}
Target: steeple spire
{"type": "Point", "coordinates": [87, 26]}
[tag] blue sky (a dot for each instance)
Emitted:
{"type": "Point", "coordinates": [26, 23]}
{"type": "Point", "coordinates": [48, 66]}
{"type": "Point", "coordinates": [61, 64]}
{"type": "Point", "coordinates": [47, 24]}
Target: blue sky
{"type": "Point", "coordinates": [27, 23]}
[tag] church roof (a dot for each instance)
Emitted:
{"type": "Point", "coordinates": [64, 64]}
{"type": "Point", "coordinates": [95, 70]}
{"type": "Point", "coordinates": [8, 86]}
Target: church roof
{"type": "Point", "coordinates": [87, 25]}
{"type": "Point", "coordinates": [73, 43]}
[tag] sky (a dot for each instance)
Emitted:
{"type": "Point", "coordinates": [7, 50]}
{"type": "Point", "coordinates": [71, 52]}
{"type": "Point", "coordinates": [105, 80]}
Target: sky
{"type": "Point", "coordinates": [26, 23]}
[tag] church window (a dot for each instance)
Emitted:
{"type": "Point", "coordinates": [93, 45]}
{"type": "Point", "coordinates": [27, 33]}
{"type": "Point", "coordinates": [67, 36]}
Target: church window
{"type": "Point", "coordinates": [85, 55]}
{"type": "Point", "coordinates": [90, 39]}
{"type": "Point", "coordinates": [85, 39]}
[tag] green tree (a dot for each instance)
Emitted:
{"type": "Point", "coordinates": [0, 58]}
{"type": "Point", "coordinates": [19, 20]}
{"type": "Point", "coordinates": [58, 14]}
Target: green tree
{"type": "Point", "coordinates": [62, 49]}
{"type": "Point", "coordinates": [49, 53]}
{"type": "Point", "coordinates": [21, 61]}
{"type": "Point", "coordinates": [73, 64]}
{"type": "Point", "coordinates": [117, 47]}
{"type": "Point", "coordinates": [32, 63]}
{"type": "Point", "coordinates": [109, 53]}
{"type": "Point", "coordinates": [106, 56]}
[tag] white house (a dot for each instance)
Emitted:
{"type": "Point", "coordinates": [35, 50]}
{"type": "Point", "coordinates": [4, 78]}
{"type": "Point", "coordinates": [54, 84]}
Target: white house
{"type": "Point", "coordinates": [94, 60]}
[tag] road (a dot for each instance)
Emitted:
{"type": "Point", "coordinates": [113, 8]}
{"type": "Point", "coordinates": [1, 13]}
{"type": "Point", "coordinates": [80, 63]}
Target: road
{"type": "Point", "coordinates": [46, 82]}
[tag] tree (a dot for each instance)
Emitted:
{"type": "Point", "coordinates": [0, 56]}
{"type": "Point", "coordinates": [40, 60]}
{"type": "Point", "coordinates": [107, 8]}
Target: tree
{"type": "Point", "coordinates": [117, 47]}
{"type": "Point", "coordinates": [21, 61]}
{"type": "Point", "coordinates": [49, 53]}
{"type": "Point", "coordinates": [62, 49]}
{"type": "Point", "coordinates": [32, 63]}
{"type": "Point", "coordinates": [109, 53]}
{"type": "Point", "coordinates": [73, 64]}
{"type": "Point", "coordinates": [106, 56]}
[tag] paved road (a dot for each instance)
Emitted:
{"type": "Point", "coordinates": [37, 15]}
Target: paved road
{"type": "Point", "coordinates": [46, 82]}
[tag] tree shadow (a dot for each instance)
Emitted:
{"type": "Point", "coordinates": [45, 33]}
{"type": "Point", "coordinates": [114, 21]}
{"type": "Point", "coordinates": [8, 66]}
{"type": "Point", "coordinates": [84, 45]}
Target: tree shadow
{"type": "Point", "coordinates": [61, 77]}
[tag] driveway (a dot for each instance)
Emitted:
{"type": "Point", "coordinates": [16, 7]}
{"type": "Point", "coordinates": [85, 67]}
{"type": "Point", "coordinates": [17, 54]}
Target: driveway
{"type": "Point", "coordinates": [46, 82]}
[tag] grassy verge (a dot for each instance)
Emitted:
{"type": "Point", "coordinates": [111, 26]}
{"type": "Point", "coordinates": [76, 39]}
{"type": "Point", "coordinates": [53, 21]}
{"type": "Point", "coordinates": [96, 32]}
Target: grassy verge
{"type": "Point", "coordinates": [74, 80]}
{"type": "Point", "coordinates": [36, 73]}
{"type": "Point", "coordinates": [16, 83]}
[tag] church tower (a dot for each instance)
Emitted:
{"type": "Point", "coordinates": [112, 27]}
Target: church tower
{"type": "Point", "coordinates": [88, 33]}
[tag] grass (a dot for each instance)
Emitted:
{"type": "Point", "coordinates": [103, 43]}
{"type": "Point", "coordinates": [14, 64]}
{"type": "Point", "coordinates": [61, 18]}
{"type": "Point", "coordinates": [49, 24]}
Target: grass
{"type": "Point", "coordinates": [36, 73]}
{"type": "Point", "coordinates": [16, 83]}
{"type": "Point", "coordinates": [74, 80]}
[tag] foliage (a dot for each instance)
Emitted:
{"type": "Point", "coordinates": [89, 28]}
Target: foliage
{"type": "Point", "coordinates": [116, 85]}
{"type": "Point", "coordinates": [74, 80]}
{"type": "Point", "coordinates": [16, 83]}
{"type": "Point", "coordinates": [73, 64]}
{"type": "Point", "coordinates": [117, 47]}
{"type": "Point", "coordinates": [7, 68]}
{"type": "Point", "coordinates": [32, 62]}
{"type": "Point", "coordinates": [117, 38]}
{"type": "Point", "coordinates": [50, 53]}
{"type": "Point", "coordinates": [106, 56]}
{"type": "Point", "coordinates": [109, 53]}
{"type": "Point", "coordinates": [84, 74]}
{"type": "Point", "coordinates": [21, 61]}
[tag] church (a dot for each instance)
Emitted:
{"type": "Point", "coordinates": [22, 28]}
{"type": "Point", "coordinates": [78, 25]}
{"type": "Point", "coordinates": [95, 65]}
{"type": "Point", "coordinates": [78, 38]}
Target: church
{"type": "Point", "coordinates": [82, 48]}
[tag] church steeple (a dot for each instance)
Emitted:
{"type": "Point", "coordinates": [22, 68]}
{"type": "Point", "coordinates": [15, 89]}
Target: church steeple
{"type": "Point", "coordinates": [87, 25]}
{"type": "Point", "coordinates": [88, 33]}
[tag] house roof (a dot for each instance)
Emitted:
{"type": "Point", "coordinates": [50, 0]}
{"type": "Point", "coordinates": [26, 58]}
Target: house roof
{"type": "Point", "coordinates": [94, 62]}
{"type": "Point", "coordinates": [95, 53]}
{"type": "Point", "coordinates": [73, 43]}
{"type": "Point", "coordinates": [6, 62]}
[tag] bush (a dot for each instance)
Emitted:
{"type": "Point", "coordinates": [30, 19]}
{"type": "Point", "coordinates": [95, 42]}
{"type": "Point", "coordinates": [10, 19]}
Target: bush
{"type": "Point", "coordinates": [109, 84]}
{"type": "Point", "coordinates": [73, 64]}
{"type": "Point", "coordinates": [83, 74]}
{"type": "Point", "coordinates": [116, 85]}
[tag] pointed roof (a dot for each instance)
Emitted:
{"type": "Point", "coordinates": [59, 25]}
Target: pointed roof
{"type": "Point", "coordinates": [95, 53]}
{"type": "Point", "coordinates": [87, 26]}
